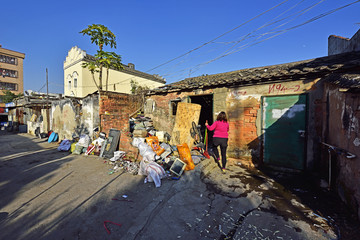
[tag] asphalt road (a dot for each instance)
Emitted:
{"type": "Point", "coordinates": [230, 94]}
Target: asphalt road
{"type": "Point", "coordinates": [46, 194]}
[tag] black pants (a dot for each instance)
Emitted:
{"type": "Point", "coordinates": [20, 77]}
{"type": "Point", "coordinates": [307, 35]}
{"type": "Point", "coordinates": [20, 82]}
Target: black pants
{"type": "Point", "coordinates": [223, 143]}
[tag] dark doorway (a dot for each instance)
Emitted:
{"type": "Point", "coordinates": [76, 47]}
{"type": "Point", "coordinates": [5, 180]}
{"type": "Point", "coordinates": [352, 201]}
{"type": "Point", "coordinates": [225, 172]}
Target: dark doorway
{"type": "Point", "coordinates": [206, 102]}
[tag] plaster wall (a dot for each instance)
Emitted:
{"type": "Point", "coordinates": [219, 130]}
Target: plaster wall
{"type": "Point", "coordinates": [118, 81]}
{"type": "Point", "coordinates": [71, 117]}
{"type": "Point", "coordinates": [338, 44]}
{"type": "Point", "coordinates": [343, 130]}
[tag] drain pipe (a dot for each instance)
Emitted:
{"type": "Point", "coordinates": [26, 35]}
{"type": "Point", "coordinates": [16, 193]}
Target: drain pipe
{"type": "Point", "coordinates": [338, 151]}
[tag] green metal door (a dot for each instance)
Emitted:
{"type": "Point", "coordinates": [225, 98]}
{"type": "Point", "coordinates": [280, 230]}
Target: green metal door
{"type": "Point", "coordinates": [284, 124]}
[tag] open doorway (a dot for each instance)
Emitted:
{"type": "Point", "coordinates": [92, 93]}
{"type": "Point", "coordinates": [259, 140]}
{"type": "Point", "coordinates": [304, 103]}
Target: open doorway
{"type": "Point", "coordinates": [206, 102]}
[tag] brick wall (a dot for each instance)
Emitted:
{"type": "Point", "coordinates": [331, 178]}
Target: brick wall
{"type": "Point", "coordinates": [158, 108]}
{"type": "Point", "coordinates": [114, 112]}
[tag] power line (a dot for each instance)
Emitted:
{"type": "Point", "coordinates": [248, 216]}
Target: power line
{"type": "Point", "coordinates": [204, 44]}
{"type": "Point", "coordinates": [250, 35]}
{"type": "Point", "coordinates": [277, 34]}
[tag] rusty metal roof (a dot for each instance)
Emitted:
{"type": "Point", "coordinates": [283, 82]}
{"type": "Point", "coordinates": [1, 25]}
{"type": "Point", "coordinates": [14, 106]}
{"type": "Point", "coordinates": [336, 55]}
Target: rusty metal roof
{"type": "Point", "coordinates": [312, 68]}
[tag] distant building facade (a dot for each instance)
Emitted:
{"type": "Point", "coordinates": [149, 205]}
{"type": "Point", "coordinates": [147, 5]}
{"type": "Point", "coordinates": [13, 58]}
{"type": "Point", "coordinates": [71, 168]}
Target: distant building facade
{"type": "Point", "coordinates": [337, 44]}
{"type": "Point", "coordinates": [11, 72]}
{"type": "Point", "coordinates": [78, 81]}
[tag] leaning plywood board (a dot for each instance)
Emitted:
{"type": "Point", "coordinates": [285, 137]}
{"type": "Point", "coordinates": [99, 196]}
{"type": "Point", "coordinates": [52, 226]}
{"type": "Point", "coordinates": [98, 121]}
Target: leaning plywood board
{"type": "Point", "coordinates": [186, 114]}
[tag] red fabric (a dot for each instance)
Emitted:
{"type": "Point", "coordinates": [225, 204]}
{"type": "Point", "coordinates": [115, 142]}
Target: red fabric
{"type": "Point", "coordinates": [220, 129]}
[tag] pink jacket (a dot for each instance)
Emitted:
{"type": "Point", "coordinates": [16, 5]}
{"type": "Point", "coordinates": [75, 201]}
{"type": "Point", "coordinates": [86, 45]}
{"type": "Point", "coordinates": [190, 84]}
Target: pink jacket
{"type": "Point", "coordinates": [221, 129]}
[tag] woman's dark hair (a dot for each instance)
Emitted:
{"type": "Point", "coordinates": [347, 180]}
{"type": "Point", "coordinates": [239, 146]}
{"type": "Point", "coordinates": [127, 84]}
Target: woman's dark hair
{"type": "Point", "coordinates": [222, 117]}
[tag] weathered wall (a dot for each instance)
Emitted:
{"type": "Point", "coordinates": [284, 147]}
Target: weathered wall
{"type": "Point", "coordinates": [65, 118]}
{"type": "Point", "coordinates": [243, 107]}
{"type": "Point", "coordinates": [114, 110]}
{"type": "Point", "coordinates": [338, 44]}
{"type": "Point", "coordinates": [72, 117]}
{"type": "Point", "coordinates": [89, 115]}
{"type": "Point", "coordinates": [342, 119]}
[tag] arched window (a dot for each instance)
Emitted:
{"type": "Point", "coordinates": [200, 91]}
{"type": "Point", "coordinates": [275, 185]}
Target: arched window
{"type": "Point", "coordinates": [75, 76]}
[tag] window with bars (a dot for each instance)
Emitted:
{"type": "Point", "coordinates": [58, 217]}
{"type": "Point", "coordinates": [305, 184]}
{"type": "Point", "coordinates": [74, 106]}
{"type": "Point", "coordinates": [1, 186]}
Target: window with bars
{"type": "Point", "coordinates": [8, 86]}
{"type": "Point", "coordinates": [7, 59]}
{"type": "Point", "coordinates": [8, 73]}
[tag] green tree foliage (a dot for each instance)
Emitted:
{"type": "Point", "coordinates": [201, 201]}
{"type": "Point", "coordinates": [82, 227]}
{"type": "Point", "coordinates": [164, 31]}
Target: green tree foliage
{"type": "Point", "coordinates": [102, 36]}
{"type": "Point", "coordinates": [136, 88]}
{"type": "Point", "coordinates": [9, 96]}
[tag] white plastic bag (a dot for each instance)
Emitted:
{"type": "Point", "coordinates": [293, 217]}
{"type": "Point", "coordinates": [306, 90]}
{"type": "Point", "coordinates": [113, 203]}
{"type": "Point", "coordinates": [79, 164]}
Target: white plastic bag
{"type": "Point", "coordinates": [117, 155]}
{"type": "Point", "coordinates": [153, 171]}
{"type": "Point", "coordinates": [84, 141]}
{"type": "Point", "coordinates": [137, 141]}
{"type": "Point", "coordinates": [146, 152]}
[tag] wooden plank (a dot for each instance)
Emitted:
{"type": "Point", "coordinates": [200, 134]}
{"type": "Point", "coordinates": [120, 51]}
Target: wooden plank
{"type": "Point", "coordinates": [186, 114]}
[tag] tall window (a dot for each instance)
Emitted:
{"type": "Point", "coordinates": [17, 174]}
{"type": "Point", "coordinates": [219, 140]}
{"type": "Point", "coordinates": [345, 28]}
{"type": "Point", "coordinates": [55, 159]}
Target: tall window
{"type": "Point", "coordinates": [75, 75]}
{"type": "Point", "coordinates": [68, 81]}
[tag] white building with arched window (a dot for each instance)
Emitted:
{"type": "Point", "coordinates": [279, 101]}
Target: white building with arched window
{"type": "Point", "coordinates": [78, 81]}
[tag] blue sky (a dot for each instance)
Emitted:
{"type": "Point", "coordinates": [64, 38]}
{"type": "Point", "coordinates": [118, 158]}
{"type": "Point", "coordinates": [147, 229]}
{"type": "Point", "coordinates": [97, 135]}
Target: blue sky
{"type": "Point", "coordinates": [150, 33]}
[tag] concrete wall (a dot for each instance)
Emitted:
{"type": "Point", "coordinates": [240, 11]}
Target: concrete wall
{"type": "Point", "coordinates": [342, 129]}
{"type": "Point", "coordinates": [73, 117]}
{"type": "Point", "coordinates": [65, 118]}
{"type": "Point", "coordinates": [243, 107]}
{"type": "Point", "coordinates": [338, 44]}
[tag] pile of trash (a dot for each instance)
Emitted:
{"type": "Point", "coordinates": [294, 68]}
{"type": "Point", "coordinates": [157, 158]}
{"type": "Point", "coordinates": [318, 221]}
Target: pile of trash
{"type": "Point", "coordinates": [159, 158]}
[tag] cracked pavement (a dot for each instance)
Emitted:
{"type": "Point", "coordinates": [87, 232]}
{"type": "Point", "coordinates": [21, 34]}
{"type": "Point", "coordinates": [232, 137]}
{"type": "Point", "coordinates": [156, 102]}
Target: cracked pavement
{"type": "Point", "coordinates": [46, 194]}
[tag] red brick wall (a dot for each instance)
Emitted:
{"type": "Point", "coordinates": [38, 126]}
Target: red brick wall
{"type": "Point", "coordinates": [114, 112]}
{"type": "Point", "coordinates": [162, 117]}
{"type": "Point", "coordinates": [243, 138]}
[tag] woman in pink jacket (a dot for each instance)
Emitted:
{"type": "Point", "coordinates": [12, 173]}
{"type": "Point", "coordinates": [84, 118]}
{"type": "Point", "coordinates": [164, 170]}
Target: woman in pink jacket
{"type": "Point", "coordinates": [220, 138]}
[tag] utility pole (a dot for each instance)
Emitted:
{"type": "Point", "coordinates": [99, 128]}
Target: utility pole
{"type": "Point", "coordinates": [47, 102]}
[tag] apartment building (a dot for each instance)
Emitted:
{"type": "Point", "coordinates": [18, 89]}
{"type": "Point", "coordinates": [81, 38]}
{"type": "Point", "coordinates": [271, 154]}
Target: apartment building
{"type": "Point", "coordinates": [11, 73]}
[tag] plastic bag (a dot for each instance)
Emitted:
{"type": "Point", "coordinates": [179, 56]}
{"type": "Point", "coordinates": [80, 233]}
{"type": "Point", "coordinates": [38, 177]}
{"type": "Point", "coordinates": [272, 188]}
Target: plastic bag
{"type": "Point", "coordinates": [146, 152]}
{"type": "Point", "coordinates": [64, 145]}
{"type": "Point", "coordinates": [78, 149]}
{"type": "Point", "coordinates": [185, 156]}
{"type": "Point", "coordinates": [84, 141]}
{"type": "Point", "coordinates": [117, 156]}
{"type": "Point", "coordinates": [155, 145]}
{"type": "Point", "coordinates": [137, 141]}
{"type": "Point", "coordinates": [153, 171]}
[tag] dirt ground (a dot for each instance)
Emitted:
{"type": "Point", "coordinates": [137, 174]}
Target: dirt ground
{"type": "Point", "coordinates": [46, 194]}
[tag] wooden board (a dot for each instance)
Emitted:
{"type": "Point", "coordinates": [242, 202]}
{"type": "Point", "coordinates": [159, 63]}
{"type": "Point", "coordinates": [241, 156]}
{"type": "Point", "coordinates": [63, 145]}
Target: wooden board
{"type": "Point", "coordinates": [186, 114]}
